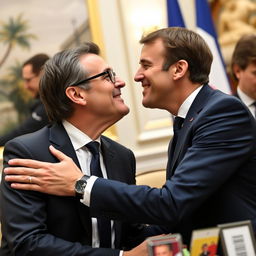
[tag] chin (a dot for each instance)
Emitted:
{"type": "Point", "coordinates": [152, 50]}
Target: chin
{"type": "Point", "coordinates": [125, 111]}
{"type": "Point", "coordinates": [147, 104]}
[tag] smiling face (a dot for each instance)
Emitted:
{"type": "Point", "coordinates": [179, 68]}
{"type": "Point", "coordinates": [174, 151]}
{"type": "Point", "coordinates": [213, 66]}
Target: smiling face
{"type": "Point", "coordinates": [103, 98]}
{"type": "Point", "coordinates": [31, 80]}
{"type": "Point", "coordinates": [157, 84]}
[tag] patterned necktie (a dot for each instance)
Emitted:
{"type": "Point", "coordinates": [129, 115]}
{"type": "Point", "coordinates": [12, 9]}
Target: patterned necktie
{"type": "Point", "coordinates": [104, 225]}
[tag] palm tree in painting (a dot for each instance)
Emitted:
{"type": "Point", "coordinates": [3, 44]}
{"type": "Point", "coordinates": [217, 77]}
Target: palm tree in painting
{"type": "Point", "coordinates": [14, 32]}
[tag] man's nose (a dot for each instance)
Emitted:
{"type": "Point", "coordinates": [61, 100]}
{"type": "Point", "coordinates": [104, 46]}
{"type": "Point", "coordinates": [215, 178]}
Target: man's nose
{"type": "Point", "coordinates": [138, 76]}
{"type": "Point", "coordinates": [119, 82]}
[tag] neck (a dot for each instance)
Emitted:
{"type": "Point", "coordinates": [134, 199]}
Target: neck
{"type": "Point", "coordinates": [178, 97]}
{"type": "Point", "coordinates": [91, 126]}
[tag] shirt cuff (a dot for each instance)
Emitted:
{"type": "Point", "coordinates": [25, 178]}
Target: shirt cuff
{"type": "Point", "coordinates": [121, 253]}
{"type": "Point", "coordinates": [87, 191]}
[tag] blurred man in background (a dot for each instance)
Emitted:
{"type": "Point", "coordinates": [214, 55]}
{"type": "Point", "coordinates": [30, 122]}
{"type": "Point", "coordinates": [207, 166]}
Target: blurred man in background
{"type": "Point", "coordinates": [244, 70]}
{"type": "Point", "coordinates": [31, 72]}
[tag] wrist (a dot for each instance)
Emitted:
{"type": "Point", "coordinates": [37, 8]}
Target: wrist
{"type": "Point", "coordinates": [80, 186]}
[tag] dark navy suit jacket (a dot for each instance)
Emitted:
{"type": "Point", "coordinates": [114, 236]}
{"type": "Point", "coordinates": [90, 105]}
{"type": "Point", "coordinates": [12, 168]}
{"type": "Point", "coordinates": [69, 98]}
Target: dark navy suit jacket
{"type": "Point", "coordinates": [211, 178]}
{"type": "Point", "coordinates": [39, 224]}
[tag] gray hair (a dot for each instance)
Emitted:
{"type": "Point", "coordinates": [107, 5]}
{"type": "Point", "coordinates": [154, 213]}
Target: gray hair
{"type": "Point", "coordinates": [63, 70]}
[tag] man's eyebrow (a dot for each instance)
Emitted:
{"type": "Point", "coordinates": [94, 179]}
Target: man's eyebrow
{"type": "Point", "coordinates": [144, 61]}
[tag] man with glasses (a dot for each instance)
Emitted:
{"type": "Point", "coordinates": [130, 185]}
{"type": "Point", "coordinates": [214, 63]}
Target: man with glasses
{"type": "Point", "coordinates": [31, 72]}
{"type": "Point", "coordinates": [82, 98]}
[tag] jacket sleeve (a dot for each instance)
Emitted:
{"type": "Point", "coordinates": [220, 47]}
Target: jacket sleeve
{"type": "Point", "coordinates": [24, 220]}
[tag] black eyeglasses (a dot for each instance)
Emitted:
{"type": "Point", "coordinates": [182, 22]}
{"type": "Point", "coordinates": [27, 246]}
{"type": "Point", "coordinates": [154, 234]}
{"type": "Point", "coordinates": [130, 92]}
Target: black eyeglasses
{"type": "Point", "coordinates": [109, 72]}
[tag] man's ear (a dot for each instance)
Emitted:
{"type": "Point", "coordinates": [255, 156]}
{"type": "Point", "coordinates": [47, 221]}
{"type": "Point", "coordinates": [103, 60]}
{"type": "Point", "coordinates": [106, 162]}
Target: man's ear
{"type": "Point", "coordinates": [180, 69]}
{"type": "Point", "coordinates": [76, 95]}
{"type": "Point", "coordinates": [236, 71]}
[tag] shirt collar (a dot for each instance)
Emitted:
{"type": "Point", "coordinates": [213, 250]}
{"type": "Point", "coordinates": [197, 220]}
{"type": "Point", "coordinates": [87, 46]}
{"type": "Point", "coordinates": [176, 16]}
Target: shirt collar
{"type": "Point", "coordinates": [248, 101]}
{"type": "Point", "coordinates": [77, 137]}
{"type": "Point", "coordinates": [185, 106]}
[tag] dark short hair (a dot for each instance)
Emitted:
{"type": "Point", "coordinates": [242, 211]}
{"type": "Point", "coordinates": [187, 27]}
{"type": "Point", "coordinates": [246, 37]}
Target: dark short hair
{"type": "Point", "coordinates": [59, 73]}
{"type": "Point", "coordinates": [184, 44]}
{"type": "Point", "coordinates": [244, 52]}
{"type": "Point", "coordinates": [37, 62]}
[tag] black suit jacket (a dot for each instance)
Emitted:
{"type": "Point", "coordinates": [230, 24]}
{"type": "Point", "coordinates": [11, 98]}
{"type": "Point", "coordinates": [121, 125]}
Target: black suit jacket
{"type": "Point", "coordinates": [39, 224]}
{"type": "Point", "coordinates": [36, 120]}
{"type": "Point", "coordinates": [211, 177]}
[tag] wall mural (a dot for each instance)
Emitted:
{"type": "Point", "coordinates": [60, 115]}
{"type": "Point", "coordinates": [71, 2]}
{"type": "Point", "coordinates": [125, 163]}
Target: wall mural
{"type": "Point", "coordinates": [27, 28]}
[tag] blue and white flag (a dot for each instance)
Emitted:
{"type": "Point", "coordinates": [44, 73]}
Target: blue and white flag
{"type": "Point", "coordinates": [175, 18]}
{"type": "Point", "coordinates": [204, 26]}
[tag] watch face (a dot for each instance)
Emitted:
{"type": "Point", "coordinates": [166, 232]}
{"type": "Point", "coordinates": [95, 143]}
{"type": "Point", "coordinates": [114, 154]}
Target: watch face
{"type": "Point", "coordinates": [80, 186]}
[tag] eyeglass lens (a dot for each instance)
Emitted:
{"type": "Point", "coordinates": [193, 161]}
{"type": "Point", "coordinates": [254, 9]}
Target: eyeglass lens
{"type": "Point", "coordinates": [112, 75]}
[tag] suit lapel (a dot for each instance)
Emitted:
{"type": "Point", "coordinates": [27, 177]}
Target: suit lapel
{"type": "Point", "coordinates": [109, 159]}
{"type": "Point", "coordinates": [61, 141]}
{"type": "Point", "coordinates": [197, 105]}
{"type": "Point", "coordinates": [113, 173]}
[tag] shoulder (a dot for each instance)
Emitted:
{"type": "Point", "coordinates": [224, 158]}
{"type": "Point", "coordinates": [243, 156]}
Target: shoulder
{"type": "Point", "coordinates": [39, 108]}
{"type": "Point", "coordinates": [224, 114]}
{"type": "Point", "coordinates": [221, 102]}
{"type": "Point", "coordinates": [35, 139]}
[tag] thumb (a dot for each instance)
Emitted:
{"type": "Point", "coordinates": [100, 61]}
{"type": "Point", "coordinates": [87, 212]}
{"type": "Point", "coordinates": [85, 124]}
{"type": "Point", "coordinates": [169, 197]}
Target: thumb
{"type": "Point", "coordinates": [58, 154]}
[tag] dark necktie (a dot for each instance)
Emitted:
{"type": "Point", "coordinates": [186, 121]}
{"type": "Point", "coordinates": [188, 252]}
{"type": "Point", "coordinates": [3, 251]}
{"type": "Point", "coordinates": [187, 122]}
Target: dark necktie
{"type": "Point", "coordinates": [178, 121]}
{"type": "Point", "coordinates": [254, 104]}
{"type": "Point", "coordinates": [104, 226]}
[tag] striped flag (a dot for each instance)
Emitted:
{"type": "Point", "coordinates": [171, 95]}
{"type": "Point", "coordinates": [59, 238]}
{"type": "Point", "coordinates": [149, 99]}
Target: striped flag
{"type": "Point", "coordinates": [175, 18]}
{"type": "Point", "coordinates": [204, 26]}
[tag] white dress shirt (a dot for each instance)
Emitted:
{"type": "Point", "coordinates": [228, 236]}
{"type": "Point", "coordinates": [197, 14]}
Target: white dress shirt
{"type": "Point", "coordinates": [248, 101]}
{"type": "Point", "coordinates": [79, 140]}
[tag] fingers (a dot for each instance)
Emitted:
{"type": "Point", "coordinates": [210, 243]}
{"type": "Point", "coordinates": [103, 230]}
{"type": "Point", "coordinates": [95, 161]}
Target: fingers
{"type": "Point", "coordinates": [24, 186]}
{"type": "Point", "coordinates": [29, 179]}
{"type": "Point", "coordinates": [37, 164]}
{"type": "Point", "coordinates": [26, 162]}
{"type": "Point", "coordinates": [21, 171]}
{"type": "Point", "coordinates": [61, 156]}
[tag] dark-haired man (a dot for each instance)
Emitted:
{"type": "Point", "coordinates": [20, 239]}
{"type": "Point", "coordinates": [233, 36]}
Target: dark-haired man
{"type": "Point", "coordinates": [31, 72]}
{"type": "Point", "coordinates": [243, 66]}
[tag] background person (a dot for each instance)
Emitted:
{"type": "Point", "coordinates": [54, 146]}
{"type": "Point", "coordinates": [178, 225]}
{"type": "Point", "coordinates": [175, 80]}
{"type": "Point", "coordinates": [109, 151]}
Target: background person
{"type": "Point", "coordinates": [31, 72]}
{"type": "Point", "coordinates": [243, 66]}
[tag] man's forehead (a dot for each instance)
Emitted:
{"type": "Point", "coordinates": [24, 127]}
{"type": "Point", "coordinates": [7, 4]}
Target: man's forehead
{"type": "Point", "coordinates": [93, 62]}
{"type": "Point", "coordinates": [27, 69]}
